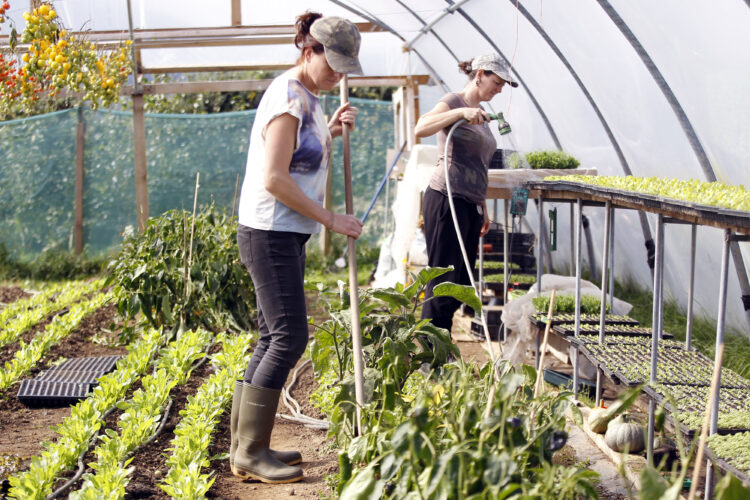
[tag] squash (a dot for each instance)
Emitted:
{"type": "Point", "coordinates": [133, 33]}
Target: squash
{"type": "Point", "coordinates": [598, 420]}
{"type": "Point", "coordinates": [624, 435]}
{"type": "Point", "coordinates": [600, 417]}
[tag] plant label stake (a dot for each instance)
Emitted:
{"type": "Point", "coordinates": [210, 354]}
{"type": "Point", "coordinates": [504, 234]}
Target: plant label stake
{"type": "Point", "coordinates": [359, 386]}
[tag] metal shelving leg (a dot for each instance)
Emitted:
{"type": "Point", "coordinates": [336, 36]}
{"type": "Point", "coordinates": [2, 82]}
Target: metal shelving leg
{"type": "Point", "coordinates": [540, 249]}
{"type": "Point", "coordinates": [572, 240]}
{"type": "Point", "coordinates": [714, 424]}
{"type": "Point", "coordinates": [691, 288]}
{"type": "Point", "coordinates": [506, 250]}
{"type": "Point", "coordinates": [605, 272]}
{"type": "Point", "coordinates": [579, 230]}
{"type": "Point", "coordinates": [539, 265]}
{"type": "Point", "coordinates": [612, 260]}
{"type": "Point", "coordinates": [658, 269]}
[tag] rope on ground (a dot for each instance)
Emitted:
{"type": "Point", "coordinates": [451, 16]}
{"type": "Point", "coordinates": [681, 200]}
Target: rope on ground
{"type": "Point", "coordinates": [293, 406]}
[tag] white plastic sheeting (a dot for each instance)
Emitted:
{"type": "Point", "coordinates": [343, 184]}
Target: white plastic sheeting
{"type": "Point", "coordinates": [699, 48]}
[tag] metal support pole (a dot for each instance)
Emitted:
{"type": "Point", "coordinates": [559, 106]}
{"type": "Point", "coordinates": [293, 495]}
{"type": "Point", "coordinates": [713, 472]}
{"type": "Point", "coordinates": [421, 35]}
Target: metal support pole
{"type": "Point", "coordinates": [579, 230]}
{"type": "Point", "coordinates": [539, 265]}
{"type": "Point", "coordinates": [506, 271]}
{"type": "Point", "coordinates": [655, 334]}
{"type": "Point", "coordinates": [480, 284]}
{"type": "Point", "coordinates": [540, 246]}
{"type": "Point", "coordinates": [612, 242]}
{"type": "Point", "coordinates": [661, 290]}
{"type": "Point", "coordinates": [603, 297]}
{"type": "Point", "coordinates": [572, 240]}
{"type": "Point", "coordinates": [691, 288]}
{"type": "Point", "coordinates": [605, 270]}
{"type": "Point", "coordinates": [713, 425]}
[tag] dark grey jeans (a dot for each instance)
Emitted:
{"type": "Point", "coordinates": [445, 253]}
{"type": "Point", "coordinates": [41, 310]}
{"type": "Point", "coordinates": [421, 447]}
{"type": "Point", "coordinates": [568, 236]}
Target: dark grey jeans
{"type": "Point", "coordinates": [276, 262]}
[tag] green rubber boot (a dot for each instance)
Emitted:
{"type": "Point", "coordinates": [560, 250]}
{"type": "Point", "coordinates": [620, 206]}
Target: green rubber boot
{"type": "Point", "coordinates": [287, 457]}
{"type": "Point", "coordinates": [253, 458]}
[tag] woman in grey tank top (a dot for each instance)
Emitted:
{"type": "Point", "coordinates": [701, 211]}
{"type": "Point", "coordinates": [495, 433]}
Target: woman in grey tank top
{"type": "Point", "coordinates": [469, 155]}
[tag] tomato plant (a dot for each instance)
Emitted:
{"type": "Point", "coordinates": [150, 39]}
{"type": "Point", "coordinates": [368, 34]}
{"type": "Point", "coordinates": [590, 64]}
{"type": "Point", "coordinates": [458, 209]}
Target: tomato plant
{"type": "Point", "coordinates": [52, 60]}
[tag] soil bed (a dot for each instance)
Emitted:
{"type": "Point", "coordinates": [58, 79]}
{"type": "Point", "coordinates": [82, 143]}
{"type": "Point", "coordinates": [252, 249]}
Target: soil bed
{"type": "Point", "coordinates": [10, 294]}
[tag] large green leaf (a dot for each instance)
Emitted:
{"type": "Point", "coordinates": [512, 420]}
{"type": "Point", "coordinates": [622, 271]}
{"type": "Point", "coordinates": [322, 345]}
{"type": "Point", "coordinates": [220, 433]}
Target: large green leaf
{"type": "Point", "coordinates": [462, 293]}
{"type": "Point", "coordinates": [363, 486]}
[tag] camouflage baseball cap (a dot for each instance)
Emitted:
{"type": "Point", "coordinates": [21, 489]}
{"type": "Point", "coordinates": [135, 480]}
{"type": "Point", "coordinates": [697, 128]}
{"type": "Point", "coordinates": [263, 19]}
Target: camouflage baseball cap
{"type": "Point", "coordinates": [495, 64]}
{"type": "Point", "coordinates": [340, 39]}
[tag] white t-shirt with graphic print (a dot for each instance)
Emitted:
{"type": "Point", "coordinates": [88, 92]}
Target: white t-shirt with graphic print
{"type": "Point", "coordinates": [259, 209]}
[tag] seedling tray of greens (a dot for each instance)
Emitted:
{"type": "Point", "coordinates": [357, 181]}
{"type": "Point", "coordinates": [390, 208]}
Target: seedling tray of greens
{"type": "Point", "coordinates": [688, 405]}
{"type": "Point", "coordinates": [631, 364]}
{"type": "Point", "coordinates": [540, 319]}
{"type": "Point", "coordinates": [731, 453]}
{"type": "Point", "coordinates": [569, 329]}
{"type": "Point", "coordinates": [614, 340]}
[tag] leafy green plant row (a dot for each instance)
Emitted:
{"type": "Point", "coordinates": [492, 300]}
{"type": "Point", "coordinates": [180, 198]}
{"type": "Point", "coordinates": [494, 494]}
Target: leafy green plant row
{"type": "Point", "coordinates": [40, 307]}
{"type": "Point", "coordinates": [732, 448]}
{"type": "Point", "coordinates": [141, 417]}
{"type": "Point", "coordinates": [22, 305]}
{"type": "Point", "coordinates": [188, 451]}
{"type": "Point", "coordinates": [61, 326]}
{"type": "Point", "coordinates": [733, 197]}
{"type": "Point", "coordinates": [85, 420]}
{"type": "Point", "coordinates": [566, 303]}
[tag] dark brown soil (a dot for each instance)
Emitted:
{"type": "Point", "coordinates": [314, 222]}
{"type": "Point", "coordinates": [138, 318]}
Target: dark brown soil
{"type": "Point", "coordinates": [25, 429]}
{"type": "Point", "coordinates": [10, 294]}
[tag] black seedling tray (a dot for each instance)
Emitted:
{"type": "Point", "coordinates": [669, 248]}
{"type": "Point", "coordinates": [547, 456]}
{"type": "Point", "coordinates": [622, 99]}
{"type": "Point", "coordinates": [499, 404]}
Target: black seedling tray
{"type": "Point", "coordinates": [48, 393]}
{"type": "Point", "coordinates": [616, 339]}
{"type": "Point", "coordinates": [66, 383]}
{"type": "Point", "coordinates": [569, 330]}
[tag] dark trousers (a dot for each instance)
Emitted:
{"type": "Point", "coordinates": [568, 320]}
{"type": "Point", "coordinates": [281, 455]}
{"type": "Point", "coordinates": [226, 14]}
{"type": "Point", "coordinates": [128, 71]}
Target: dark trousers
{"type": "Point", "coordinates": [443, 250]}
{"type": "Point", "coordinates": [276, 262]}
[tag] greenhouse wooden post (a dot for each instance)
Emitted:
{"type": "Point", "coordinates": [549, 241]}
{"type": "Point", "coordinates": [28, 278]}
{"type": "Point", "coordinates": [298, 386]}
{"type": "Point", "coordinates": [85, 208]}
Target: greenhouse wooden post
{"type": "Point", "coordinates": [139, 153]}
{"type": "Point", "coordinates": [359, 386]}
{"type": "Point", "coordinates": [78, 211]}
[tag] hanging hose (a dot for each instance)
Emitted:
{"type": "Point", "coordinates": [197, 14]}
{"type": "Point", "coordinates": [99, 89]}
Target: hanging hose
{"type": "Point", "coordinates": [504, 129]}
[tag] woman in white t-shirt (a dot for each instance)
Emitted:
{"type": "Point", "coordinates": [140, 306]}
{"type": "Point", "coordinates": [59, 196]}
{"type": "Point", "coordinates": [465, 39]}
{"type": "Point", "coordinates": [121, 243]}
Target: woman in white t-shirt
{"type": "Point", "coordinates": [280, 207]}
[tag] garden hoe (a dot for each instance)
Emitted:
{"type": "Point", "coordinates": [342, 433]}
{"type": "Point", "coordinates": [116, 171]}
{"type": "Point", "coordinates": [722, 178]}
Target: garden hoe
{"type": "Point", "coordinates": [359, 388]}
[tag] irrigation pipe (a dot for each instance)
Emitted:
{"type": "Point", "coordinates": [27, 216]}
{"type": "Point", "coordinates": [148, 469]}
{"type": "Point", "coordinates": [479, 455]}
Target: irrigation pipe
{"type": "Point", "coordinates": [359, 384]}
{"type": "Point", "coordinates": [482, 314]}
{"type": "Point", "coordinates": [70, 482]}
{"type": "Point", "coordinates": [293, 406]}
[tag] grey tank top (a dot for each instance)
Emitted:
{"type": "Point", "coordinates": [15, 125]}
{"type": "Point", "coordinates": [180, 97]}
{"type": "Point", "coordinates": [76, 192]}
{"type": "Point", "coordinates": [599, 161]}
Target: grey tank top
{"type": "Point", "coordinates": [469, 156]}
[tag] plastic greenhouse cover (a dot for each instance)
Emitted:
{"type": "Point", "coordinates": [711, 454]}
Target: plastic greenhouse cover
{"type": "Point", "coordinates": [698, 48]}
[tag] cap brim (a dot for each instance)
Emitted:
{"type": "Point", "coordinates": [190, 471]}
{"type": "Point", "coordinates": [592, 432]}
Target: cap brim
{"type": "Point", "coordinates": [342, 63]}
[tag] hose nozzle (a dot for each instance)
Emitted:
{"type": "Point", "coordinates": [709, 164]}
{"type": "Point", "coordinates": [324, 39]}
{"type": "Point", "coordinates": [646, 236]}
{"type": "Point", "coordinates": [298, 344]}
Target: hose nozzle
{"type": "Point", "coordinates": [503, 127]}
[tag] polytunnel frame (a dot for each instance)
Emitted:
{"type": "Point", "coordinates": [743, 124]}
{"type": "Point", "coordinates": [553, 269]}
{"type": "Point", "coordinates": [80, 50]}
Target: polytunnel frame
{"type": "Point", "coordinates": [650, 65]}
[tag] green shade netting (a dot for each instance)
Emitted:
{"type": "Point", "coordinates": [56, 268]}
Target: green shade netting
{"type": "Point", "coordinates": [37, 173]}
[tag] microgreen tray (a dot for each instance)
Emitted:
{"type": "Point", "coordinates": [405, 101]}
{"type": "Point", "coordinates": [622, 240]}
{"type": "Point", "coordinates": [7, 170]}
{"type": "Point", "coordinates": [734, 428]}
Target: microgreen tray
{"type": "Point", "coordinates": [569, 330]}
{"type": "Point", "coordinates": [734, 406]}
{"type": "Point", "coordinates": [540, 319]}
{"type": "Point", "coordinates": [631, 364]}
